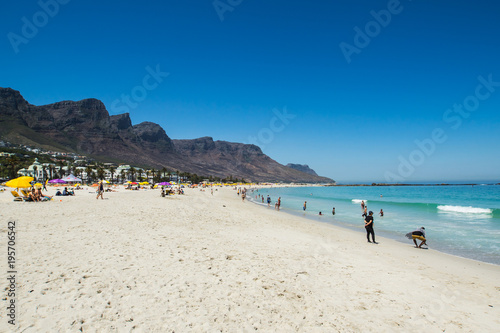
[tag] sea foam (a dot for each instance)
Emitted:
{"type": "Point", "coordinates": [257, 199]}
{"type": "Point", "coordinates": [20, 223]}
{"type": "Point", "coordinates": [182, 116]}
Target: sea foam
{"type": "Point", "coordinates": [463, 209]}
{"type": "Point", "coordinates": [359, 201]}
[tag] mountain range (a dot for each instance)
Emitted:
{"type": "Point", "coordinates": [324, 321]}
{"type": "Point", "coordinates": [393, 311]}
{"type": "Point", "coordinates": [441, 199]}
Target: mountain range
{"type": "Point", "coordinates": [85, 127]}
{"type": "Point", "coordinates": [302, 167]}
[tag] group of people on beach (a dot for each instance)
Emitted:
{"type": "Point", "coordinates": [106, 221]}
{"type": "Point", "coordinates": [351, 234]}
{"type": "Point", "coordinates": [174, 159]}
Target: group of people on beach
{"type": "Point", "coordinates": [37, 195]}
{"type": "Point", "coordinates": [170, 191]}
{"type": "Point", "coordinates": [65, 192]}
{"type": "Point", "coordinates": [415, 235]}
{"type": "Point", "coordinates": [243, 193]}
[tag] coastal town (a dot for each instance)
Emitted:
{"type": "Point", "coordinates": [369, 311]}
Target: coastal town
{"type": "Point", "coordinates": [42, 165]}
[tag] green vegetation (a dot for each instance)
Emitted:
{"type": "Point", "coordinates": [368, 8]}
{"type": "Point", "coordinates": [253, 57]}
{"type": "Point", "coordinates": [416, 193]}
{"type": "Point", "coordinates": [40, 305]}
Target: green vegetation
{"type": "Point", "coordinates": [14, 128]}
{"type": "Point", "coordinates": [10, 165]}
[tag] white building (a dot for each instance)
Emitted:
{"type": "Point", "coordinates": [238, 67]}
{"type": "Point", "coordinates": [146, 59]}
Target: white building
{"type": "Point", "coordinates": [35, 170]}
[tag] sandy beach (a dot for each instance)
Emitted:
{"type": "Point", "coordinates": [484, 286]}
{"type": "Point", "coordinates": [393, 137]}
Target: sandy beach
{"type": "Point", "coordinates": [137, 262]}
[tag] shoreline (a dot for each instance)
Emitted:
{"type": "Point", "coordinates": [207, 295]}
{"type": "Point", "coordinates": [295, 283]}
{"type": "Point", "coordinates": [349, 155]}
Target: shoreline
{"type": "Point", "coordinates": [483, 257]}
{"type": "Point", "coordinates": [429, 184]}
{"type": "Point", "coordinates": [359, 230]}
{"type": "Point", "coordinates": [203, 262]}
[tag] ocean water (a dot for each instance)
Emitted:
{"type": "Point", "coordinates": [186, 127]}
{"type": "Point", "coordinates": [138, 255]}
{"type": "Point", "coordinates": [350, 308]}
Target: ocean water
{"type": "Point", "coordinates": [462, 220]}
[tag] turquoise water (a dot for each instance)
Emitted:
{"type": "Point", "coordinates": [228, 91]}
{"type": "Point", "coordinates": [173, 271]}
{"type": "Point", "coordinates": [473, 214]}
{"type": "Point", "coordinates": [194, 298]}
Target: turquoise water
{"type": "Point", "coordinates": [461, 220]}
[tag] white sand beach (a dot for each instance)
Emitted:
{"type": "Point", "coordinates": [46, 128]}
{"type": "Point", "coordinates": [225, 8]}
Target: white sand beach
{"type": "Point", "coordinates": [137, 262]}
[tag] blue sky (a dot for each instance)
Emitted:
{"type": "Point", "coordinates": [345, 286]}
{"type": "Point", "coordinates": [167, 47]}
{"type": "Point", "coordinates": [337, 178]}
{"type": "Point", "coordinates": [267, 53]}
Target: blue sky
{"type": "Point", "coordinates": [277, 74]}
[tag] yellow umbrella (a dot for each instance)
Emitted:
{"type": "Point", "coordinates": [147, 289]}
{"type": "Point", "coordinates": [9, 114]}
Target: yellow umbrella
{"type": "Point", "coordinates": [38, 185]}
{"type": "Point", "coordinates": [104, 181]}
{"type": "Point", "coordinates": [20, 182]}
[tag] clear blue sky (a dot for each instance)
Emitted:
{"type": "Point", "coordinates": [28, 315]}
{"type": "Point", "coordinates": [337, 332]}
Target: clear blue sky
{"type": "Point", "coordinates": [354, 120]}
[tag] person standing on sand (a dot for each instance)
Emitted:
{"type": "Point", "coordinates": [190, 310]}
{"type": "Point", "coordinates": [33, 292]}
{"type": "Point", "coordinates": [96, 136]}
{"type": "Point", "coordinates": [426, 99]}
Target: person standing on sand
{"type": "Point", "coordinates": [101, 190]}
{"type": "Point", "coordinates": [369, 227]}
{"type": "Point", "coordinates": [268, 201]}
{"type": "Point", "coordinates": [305, 206]}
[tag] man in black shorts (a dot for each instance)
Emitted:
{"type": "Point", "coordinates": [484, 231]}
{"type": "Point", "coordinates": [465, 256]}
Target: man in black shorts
{"type": "Point", "coordinates": [369, 227]}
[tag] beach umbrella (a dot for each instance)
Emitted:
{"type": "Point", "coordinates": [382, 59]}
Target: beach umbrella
{"type": "Point", "coordinates": [56, 181]}
{"type": "Point", "coordinates": [20, 182]}
{"type": "Point", "coordinates": [164, 184]}
{"type": "Point", "coordinates": [37, 185]}
{"type": "Point", "coordinates": [71, 178]}
{"type": "Point", "coordinates": [104, 181]}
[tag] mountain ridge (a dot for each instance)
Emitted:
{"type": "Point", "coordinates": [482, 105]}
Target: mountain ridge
{"type": "Point", "coordinates": [85, 127]}
{"type": "Point", "coordinates": [302, 167]}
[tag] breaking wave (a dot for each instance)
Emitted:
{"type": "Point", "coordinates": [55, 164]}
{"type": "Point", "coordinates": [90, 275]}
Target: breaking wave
{"type": "Point", "coordinates": [358, 200]}
{"type": "Point", "coordinates": [465, 210]}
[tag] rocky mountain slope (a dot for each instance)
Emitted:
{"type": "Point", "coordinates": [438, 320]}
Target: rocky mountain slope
{"type": "Point", "coordinates": [302, 167]}
{"type": "Point", "coordinates": [85, 127]}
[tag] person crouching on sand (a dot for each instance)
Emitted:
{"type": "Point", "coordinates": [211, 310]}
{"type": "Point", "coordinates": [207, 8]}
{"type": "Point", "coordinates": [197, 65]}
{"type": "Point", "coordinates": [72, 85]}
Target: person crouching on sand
{"type": "Point", "coordinates": [417, 234]}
